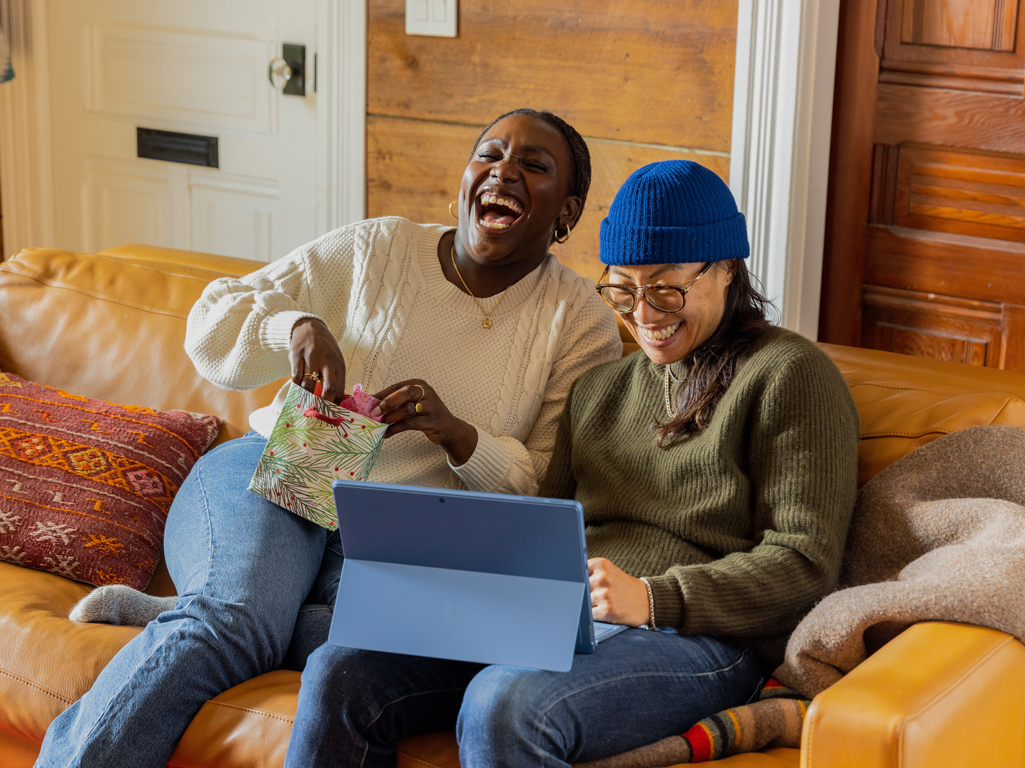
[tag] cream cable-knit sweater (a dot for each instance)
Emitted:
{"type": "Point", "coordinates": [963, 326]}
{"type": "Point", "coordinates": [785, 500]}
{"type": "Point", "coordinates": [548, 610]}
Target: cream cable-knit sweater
{"type": "Point", "coordinates": [379, 287]}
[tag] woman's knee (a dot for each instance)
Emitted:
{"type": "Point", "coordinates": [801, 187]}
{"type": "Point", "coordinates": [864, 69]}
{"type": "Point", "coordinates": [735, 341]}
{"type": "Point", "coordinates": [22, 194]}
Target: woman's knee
{"type": "Point", "coordinates": [332, 668]}
{"type": "Point", "coordinates": [500, 702]}
{"type": "Point", "coordinates": [225, 542]}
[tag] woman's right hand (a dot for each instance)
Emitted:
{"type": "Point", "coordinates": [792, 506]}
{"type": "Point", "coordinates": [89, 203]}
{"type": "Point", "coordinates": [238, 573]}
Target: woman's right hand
{"type": "Point", "coordinates": [313, 350]}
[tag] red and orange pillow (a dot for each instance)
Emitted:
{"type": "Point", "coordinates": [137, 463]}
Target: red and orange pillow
{"type": "Point", "coordinates": [85, 485]}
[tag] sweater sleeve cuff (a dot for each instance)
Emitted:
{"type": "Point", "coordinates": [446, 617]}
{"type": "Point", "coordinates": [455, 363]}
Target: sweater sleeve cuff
{"type": "Point", "coordinates": [665, 591]}
{"type": "Point", "coordinates": [488, 467]}
{"type": "Point", "coordinates": [276, 329]}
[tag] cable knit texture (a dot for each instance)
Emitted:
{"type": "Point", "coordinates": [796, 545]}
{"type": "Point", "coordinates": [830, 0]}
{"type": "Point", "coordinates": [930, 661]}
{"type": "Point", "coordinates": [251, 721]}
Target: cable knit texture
{"type": "Point", "coordinates": [379, 287]}
{"type": "Point", "coordinates": [740, 527]}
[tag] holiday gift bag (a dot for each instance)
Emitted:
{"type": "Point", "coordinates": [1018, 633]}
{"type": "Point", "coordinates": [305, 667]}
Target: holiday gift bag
{"type": "Point", "coordinates": [315, 442]}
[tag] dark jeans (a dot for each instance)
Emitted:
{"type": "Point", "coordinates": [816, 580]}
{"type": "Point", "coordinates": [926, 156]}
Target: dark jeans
{"type": "Point", "coordinates": [638, 687]}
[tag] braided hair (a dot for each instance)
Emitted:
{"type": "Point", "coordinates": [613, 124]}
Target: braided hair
{"type": "Point", "coordinates": [578, 152]}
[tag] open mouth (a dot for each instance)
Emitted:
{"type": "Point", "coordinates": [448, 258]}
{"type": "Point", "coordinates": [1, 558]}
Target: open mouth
{"type": "Point", "coordinates": [497, 212]}
{"type": "Point", "coordinates": [662, 333]}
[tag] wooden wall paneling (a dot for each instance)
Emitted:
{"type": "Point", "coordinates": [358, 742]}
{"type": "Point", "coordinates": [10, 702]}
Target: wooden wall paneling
{"type": "Point", "coordinates": [414, 169]}
{"type": "Point", "coordinates": [926, 325]}
{"type": "Point", "coordinates": [850, 173]}
{"type": "Point", "coordinates": [649, 71]}
{"type": "Point", "coordinates": [949, 118]}
{"type": "Point", "coordinates": [949, 264]}
{"type": "Point", "coordinates": [960, 44]}
{"type": "Point", "coordinates": [971, 193]}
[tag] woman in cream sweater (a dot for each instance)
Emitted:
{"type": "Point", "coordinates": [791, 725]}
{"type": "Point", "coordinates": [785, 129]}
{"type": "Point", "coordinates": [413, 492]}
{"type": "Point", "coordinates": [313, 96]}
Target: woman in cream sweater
{"type": "Point", "coordinates": [472, 336]}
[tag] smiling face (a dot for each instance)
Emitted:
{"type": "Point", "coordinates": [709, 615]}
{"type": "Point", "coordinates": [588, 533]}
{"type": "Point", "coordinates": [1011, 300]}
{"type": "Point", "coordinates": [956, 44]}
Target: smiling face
{"type": "Point", "coordinates": [515, 191]}
{"type": "Point", "coordinates": [667, 337]}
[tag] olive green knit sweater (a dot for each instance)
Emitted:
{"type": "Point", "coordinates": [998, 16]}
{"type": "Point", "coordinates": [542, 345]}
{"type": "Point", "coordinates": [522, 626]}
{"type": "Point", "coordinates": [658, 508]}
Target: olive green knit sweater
{"type": "Point", "coordinates": [739, 528]}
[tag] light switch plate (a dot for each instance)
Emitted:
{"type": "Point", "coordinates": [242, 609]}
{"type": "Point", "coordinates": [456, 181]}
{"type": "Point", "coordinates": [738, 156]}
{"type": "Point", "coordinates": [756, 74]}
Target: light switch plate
{"type": "Point", "coordinates": [432, 17]}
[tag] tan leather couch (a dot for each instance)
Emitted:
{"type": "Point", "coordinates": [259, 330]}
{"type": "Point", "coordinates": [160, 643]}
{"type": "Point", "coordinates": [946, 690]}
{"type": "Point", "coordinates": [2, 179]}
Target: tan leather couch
{"type": "Point", "coordinates": [111, 326]}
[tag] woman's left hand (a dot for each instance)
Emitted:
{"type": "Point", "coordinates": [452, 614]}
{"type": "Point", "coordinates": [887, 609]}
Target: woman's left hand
{"type": "Point", "coordinates": [616, 596]}
{"type": "Point", "coordinates": [414, 404]}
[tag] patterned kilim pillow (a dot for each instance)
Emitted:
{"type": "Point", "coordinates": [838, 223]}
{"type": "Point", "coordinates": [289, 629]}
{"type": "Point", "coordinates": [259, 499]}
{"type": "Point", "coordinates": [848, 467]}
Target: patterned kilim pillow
{"type": "Point", "coordinates": [85, 485]}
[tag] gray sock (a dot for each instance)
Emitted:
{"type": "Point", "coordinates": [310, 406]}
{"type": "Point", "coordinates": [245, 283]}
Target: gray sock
{"type": "Point", "coordinates": [118, 604]}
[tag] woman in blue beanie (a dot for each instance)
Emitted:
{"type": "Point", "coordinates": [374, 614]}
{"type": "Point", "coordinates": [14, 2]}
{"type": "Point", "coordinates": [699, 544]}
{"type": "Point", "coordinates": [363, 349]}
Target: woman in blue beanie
{"type": "Point", "coordinates": [717, 472]}
{"type": "Point", "coordinates": [716, 468]}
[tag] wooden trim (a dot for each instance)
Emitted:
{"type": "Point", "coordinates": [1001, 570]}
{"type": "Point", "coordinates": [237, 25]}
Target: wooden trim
{"type": "Point", "coordinates": [25, 153]}
{"type": "Point", "coordinates": [782, 112]}
{"type": "Point", "coordinates": [341, 112]}
{"type": "Point", "coordinates": [850, 173]}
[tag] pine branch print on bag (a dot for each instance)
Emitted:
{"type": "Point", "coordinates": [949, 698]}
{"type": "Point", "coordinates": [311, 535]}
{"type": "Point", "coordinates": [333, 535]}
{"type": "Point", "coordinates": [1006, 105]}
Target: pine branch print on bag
{"type": "Point", "coordinates": [313, 443]}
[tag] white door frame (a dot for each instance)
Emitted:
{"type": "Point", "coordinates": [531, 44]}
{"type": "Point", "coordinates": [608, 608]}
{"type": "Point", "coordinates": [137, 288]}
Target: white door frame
{"type": "Point", "coordinates": [341, 112]}
{"type": "Point", "coordinates": [779, 151]}
{"type": "Point", "coordinates": [26, 169]}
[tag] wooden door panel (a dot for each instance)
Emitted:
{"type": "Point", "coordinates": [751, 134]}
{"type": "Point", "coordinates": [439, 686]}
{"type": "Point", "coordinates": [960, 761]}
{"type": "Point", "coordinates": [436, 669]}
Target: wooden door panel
{"type": "Point", "coordinates": [940, 257]}
{"type": "Point", "coordinates": [1014, 335]}
{"type": "Point", "coordinates": [950, 118]}
{"type": "Point", "coordinates": [963, 44]}
{"type": "Point", "coordinates": [926, 325]}
{"type": "Point", "coordinates": [987, 25]}
{"type": "Point", "coordinates": [942, 263]}
{"type": "Point", "coordinates": [969, 193]}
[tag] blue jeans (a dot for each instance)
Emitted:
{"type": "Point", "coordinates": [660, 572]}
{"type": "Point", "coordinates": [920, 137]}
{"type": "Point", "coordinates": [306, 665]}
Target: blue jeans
{"type": "Point", "coordinates": [243, 567]}
{"type": "Point", "coordinates": [638, 687]}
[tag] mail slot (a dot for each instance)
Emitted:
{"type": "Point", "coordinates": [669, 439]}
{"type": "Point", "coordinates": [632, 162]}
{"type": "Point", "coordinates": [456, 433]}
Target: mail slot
{"type": "Point", "coordinates": [174, 147]}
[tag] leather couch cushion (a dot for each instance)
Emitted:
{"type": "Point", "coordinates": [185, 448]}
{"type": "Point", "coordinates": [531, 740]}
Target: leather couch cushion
{"type": "Point", "coordinates": [112, 331]}
{"type": "Point", "coordinates": [904, 402]}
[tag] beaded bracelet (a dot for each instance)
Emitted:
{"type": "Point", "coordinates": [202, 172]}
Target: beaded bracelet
{"type": "Point", "coordinates": [651, 605]}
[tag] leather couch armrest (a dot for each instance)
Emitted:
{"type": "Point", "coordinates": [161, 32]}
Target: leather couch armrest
{"type": "Point", "coordinates": [939, 694]}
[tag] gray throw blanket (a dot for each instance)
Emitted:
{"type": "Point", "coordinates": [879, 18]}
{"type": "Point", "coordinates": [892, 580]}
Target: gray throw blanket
{"type": "Point", "coordinates": [938, 535]}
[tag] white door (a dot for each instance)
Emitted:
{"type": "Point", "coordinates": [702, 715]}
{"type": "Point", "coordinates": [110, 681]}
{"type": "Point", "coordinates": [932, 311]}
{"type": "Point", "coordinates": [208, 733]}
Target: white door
{"type": "Point", "coordinates": [196, 67]}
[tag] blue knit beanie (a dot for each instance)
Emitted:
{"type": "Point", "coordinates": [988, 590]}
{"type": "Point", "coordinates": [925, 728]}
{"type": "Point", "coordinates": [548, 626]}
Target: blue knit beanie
{"type": "Point", "coordinates": [675, 211]}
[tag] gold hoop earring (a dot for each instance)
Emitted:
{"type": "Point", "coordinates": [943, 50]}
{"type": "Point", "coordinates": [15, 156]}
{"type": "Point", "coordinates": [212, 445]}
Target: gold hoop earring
{"type": "Point", "coordinates": [453, 214]}
{"type": "Point", "coordinates": [565, 237]}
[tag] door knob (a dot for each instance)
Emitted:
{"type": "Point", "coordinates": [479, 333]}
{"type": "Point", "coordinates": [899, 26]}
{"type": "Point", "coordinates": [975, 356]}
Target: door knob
{"type": "Point", "coordinates": [279, 73]}
{"type": "Point", "coordinates": [287, 73]}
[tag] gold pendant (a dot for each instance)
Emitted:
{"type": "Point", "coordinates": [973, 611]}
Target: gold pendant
{"type": "Point", "coordinates": [487, 322]}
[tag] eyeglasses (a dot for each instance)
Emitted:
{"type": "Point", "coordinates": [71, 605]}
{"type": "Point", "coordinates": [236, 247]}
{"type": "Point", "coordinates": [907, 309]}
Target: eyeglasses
{"type": "Point", "coordinates": [664, 298]}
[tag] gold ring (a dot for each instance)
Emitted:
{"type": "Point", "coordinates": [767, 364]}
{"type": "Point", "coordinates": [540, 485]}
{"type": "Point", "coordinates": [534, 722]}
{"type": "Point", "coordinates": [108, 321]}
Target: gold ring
{"type": "Point", "coordinates": [314, 376]}
{"type": "Point", "coordinates": [419, 407]}
{"type": "Point", "coordinates": [422, 393]}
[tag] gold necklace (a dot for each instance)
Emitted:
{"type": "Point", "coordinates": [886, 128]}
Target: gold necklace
{"type": "Point", "coordinates": [665, 391]}
{"type": "Point", "coordinates": [487, 315]}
